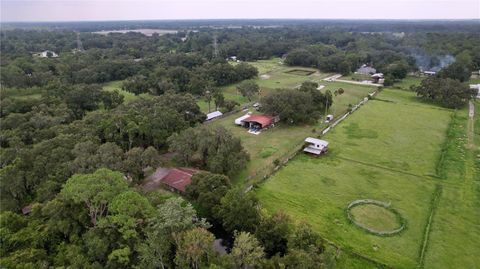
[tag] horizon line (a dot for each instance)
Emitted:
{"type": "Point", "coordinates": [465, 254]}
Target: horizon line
{"type": "Point", "coordinates": [246, 19]}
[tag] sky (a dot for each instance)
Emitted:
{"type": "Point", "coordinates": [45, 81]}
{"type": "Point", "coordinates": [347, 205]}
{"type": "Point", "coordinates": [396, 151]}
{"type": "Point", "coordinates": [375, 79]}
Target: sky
{"type": "Point", "coordinates": [104, 10]}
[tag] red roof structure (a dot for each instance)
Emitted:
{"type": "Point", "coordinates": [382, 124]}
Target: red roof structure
{"type": "Point", "coordinates": [179, 178]}
{"type": "Point", "coordinates": [263, 120]}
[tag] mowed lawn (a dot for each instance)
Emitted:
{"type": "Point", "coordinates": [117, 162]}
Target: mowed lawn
{"type": "Point", "coordinates": [384, 151]}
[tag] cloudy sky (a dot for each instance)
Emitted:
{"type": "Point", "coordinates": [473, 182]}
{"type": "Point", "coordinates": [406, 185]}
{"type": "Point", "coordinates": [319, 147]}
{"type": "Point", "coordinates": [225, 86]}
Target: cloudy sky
{"type": "Point", "coordinates": [80, 10]}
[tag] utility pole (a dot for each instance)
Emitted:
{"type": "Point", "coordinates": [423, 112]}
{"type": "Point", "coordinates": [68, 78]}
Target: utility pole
{"type": "Point", "coordinates": [215, 46]}
{"type": "Point", "coordinates": [79, 43]}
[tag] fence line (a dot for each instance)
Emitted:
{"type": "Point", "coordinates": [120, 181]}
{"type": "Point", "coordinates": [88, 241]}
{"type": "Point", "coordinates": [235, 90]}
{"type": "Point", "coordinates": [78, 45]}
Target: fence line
{"type": "Point", "coordinates": [270, 169]}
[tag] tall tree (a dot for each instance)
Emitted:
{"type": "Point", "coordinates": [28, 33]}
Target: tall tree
{"type": "Point", "coordinates": [274, 232]}
{"type": "Point", "coordinates": [248, 89]}
{"type": "Point", "coordinates": [207, 190]}
{"type": "Point", "coordinates": [239, 211]}
{"type": "Point", "coordinates": [211, 148]}
{"type": "Point", "coordinates": [447, 92]}
{"type": "Point", "coordinates": [95, 190]}
{"type": "Point", "coordinates": [194, 248]}
{"type": "Point", "coordinates": [292, 106]}
{"type": "Point", "coordinates": [247, 251]}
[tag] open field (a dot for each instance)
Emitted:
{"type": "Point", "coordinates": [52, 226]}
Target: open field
{"type": "Point", "coordinates": [389, 150]}
{"type": "Point", "coordinates": [375, 217]}
{"type": "Point", "coordinates": [407, 82]}
{"type": "Point", "coordinates": [117, 85]}
{"type": "Point", "coordinates": [22, 94]}
{"type": "Point", "coordinates": [267, 146]}
{"type": "Point", "coordinates": [147, 32]}
{"type": "Point", "coordinates": [455, 235]}
{"type": "Point", "coordinates": [299, 72]}
{"type": "Point", "coordinates": [283, 140]}
{"type": "Point", "coordinates": [356, 77]}
{"type": "Point", "coordinates": [279, 78]}
{"type": "Point", "coordinates": [274, 76]}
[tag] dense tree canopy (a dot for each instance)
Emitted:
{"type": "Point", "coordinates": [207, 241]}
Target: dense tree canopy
{"type": "Point", "coordinates": [212, 148]}
{"type": "Point", "coordinates": [297, 106]}
{"type": "Point", "coordinates": [448, 92]}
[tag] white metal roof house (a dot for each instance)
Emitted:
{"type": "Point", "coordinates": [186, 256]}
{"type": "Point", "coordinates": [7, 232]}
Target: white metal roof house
{"type": "Point", "coordinates": [476, 86]}
{"type": "Point", "coordinates": [213, 115]}
{"type": "Point", "coordinates": [317, 146]}
{"type": "Point", "coordinates": [429, 73]}
{"type": "Point", "coordinates": [48, 54]}
{"type": "Point", "coordinates": [366, 70]}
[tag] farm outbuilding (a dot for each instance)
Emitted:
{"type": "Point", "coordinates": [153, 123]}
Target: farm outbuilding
{"type": "Point", "coordinates": [429, 73]}
{"type": "Point", "coordinates": [316, 146]}
{"type": "Point", "coordinates": [378, 78]}
{"type": "Point", "coordinates": [258, 121]}
{"type": "Point", "coordinates": [213, 115]}
{"type": "Point", "coordinates": [239, 121]}
{"type": "Point", "coordinates": [178, 179]}
{"type": "Point", "coordinates": [366, 70]}
{"type": "Point", "coordinates": [46, 54]}
{"type": "Point", "coordinates": [477, 87]}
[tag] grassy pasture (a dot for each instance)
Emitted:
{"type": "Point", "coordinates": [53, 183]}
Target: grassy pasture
{"type": "Point", "coordinates": [356, 77]}
{"type": "Point", "coordinates": [385, 151]}
{"type": "Point", "coordinates": [300, 72]}
{"type": "Point", "coordinates": [455, 234]}
{"type": "Point", "coordinates": [407, 82]}
{"type": "Point", "coordinates": [375, 217]}
{"type": "Point", "coordinates": [284, 139]}
{"type": "Point", "coordinates": [278, 77]}
{"type": "Point", "coordinates": [117, 86]}
{"type": "Point", "coordinates": [267, 146]}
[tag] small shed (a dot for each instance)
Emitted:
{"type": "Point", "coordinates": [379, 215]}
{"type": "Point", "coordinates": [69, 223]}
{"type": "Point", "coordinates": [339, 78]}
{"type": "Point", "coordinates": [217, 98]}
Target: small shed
{"type": "Point", "coordinates": [239, 121]}
{"type": "Point", "coordinates": [477, 87]}
{"type": "Point", "coordinates": [377, 78]}
{"type": "Point", "coordinates": [329, 118]}
{"type": "Point", "coordinates": [316, 146]}
{"type": "Point", "coordinates": [429, 73]}
{"type": "Point", "coordinates": [213, 115]}
{"type": "Point", "coordinates": [48, 54]}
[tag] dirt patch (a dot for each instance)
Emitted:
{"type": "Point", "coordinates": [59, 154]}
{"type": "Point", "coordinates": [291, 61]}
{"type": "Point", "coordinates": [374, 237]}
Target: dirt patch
{"type": "Point", "coordinates": [153, 181]}
{"type": "Point", "coordinates": [300, 72]}
{"type": "Point", "coordinates": [265, 76]}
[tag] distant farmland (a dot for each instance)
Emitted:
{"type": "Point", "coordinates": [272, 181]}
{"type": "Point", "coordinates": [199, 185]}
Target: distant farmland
{"type": "Point", "coordinates": [147, 32]}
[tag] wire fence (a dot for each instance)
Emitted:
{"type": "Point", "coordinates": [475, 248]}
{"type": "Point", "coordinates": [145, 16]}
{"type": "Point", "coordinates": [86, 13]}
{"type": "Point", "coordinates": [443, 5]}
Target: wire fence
{"type": "Point", "coordinates": [259, 175]}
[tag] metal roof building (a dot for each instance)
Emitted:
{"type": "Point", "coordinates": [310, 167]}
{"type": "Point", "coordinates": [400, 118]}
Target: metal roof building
{"type": "Point", "coordinates": [317, 146]}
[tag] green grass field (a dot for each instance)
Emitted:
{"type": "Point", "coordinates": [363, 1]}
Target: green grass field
{"type": "Point", "coordinates": [283, 140]}
{"type": "Point", "coordinates": [407, 82]}
{"type": "Point", "coordinates": [388, 151]}
{"type": "Point", "coordinates": [117, 86]}
{"type": "Point", "coordinates": [356, 77]}
{"type": "Point", "coordinates": [375, 217]}
{"type": "Point", "coordinates": [455, 235]}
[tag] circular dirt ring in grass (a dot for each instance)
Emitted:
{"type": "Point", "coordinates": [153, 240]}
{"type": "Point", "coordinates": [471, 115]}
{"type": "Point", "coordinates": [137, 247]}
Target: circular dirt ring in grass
{"type": "Point", "coordinates": [376, 217]}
